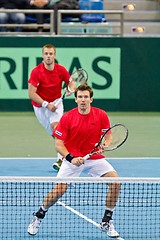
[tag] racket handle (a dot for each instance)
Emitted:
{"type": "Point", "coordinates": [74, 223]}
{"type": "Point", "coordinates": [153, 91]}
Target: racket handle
{"type": "Point", "coordinates": [59, 100]}
{"type": "Point", "coordinates": [86, 157]}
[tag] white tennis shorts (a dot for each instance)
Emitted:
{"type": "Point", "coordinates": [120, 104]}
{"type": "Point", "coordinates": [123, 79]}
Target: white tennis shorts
{"type": "Point", "coordinates": [95, 168]}
{"type": "Point", "coordinates": [46, 117]}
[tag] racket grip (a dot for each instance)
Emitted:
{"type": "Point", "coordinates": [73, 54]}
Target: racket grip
{"type": "Point", "coordinates": [56, 104]}
{"type": "Point", "coordinates": [86, 157]}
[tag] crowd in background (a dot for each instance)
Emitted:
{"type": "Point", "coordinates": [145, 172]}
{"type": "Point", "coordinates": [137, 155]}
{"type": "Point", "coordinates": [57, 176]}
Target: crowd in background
{"type": "Point", "coordinates": [22, 18]}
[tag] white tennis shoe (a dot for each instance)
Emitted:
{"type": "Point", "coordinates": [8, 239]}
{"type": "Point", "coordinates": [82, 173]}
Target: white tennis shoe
{"type": "Point", "coordinates": [34, 226]}
{"type": "Point", "coordinates": [108, 227]}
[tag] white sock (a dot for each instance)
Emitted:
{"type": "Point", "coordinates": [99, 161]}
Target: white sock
{"type": "Point", "coordinates": [44, 209]}
{"type": "Point", "coordinates": [110, 209]}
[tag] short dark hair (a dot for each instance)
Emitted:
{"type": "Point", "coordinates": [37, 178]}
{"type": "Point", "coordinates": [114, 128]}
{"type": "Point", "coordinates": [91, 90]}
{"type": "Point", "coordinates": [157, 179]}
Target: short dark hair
{"type": "Point", "coordinates": [84, 87]}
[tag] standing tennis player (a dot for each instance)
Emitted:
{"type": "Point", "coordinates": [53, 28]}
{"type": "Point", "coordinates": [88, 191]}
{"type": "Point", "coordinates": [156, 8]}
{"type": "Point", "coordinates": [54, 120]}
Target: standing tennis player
{"type": "Point", "coordinates": [75, 136]}
{"type": "Point", "coordinates": [44, 89]}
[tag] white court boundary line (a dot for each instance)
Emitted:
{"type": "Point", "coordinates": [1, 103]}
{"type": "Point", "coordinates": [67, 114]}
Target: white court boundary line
{"type": "Point", "coordinates": [83, 216]}
{"type": "Point", "coordinates": [78, 213]}
{"type": "Point", "coordinates": [54, 158]}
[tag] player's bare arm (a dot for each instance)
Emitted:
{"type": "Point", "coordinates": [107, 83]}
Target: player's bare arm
{"type": "Point", "coordinates": [60, 147]}
{"type": "Point", "coordinates": [32, 92]}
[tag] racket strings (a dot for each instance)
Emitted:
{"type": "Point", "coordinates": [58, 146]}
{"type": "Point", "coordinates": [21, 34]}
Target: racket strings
{"type": "Point", "coordinates": [82, 77]}
{"type": "Point", "coordinates": [77, 78]}
{"type": "Point", "coordinates": [114, 139]}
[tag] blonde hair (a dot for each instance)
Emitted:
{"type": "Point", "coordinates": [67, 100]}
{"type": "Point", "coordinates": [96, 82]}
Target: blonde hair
{"type": "Point", "coordinates": [49, 46]}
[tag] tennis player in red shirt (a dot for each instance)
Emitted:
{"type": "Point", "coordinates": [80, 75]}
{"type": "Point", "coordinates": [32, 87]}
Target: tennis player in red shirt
{"type": "Point", "coordinates": [76, 134]}
{"type": "Point", "coordinates": [44, 89]}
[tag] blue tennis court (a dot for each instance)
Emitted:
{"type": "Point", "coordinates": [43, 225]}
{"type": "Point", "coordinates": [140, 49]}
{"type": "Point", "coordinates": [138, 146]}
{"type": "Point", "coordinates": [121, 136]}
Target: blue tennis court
{"type": "Point", "coordinates": [139, 202]}
{"type": "Point", "coordinates": [126, 167]}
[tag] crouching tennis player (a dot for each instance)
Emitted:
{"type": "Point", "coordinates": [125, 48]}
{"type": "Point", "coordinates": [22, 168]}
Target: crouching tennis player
{"type": "Point", "coordinates": [75, 136]}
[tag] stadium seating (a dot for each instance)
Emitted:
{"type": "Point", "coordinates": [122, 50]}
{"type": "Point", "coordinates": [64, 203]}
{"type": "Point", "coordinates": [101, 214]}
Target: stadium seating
{"type": "Point", "coordinates": [145, 15]}
{"type": "Point", "coordinates": [92, 5]}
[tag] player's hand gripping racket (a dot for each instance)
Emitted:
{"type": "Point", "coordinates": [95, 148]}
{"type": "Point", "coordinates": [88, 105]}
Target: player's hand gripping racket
{"type": "Point", "coordinates": [112, 139]}
{"type": "Point", "coordinates": [79, 77]}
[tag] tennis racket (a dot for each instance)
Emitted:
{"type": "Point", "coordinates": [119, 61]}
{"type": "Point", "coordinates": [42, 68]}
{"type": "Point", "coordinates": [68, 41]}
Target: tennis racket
{"type": "Point", "coordinates": [112, 139]}
{"type": "Point", "coordinates": [79, 77]}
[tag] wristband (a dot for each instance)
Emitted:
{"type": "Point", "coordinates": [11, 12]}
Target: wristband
{"type": "Point", "coordinates": [69, 157]}
{"type": "Point", "coordinates": [71, 91]}
{"type": "Point", "coordinates": [44, 104]}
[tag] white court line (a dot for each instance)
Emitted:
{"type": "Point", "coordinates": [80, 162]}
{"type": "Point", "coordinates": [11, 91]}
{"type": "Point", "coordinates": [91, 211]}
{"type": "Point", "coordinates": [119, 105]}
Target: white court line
{"type": "Point", "coordinates": [54, 158]}
{"type": "Point", "coordinates": [83, 216]}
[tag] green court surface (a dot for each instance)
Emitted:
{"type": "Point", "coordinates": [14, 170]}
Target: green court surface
{"type": "Point", "coordinates": [22, 136]}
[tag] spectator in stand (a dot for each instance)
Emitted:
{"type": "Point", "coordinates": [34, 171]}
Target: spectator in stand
{"type": "Point", "coordinates": [18, 18]}
{"type": "Point", "coordinates": [43, 3]}
{"type": "Point", "coordinates": [55, 5]}
{"type": "Point", "coordinates": [40, 17]}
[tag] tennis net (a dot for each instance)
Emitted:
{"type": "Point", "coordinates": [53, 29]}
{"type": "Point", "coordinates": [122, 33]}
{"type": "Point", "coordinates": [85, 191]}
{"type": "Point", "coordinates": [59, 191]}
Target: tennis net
{"type": "Point", "coordinates": [80, 210]}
